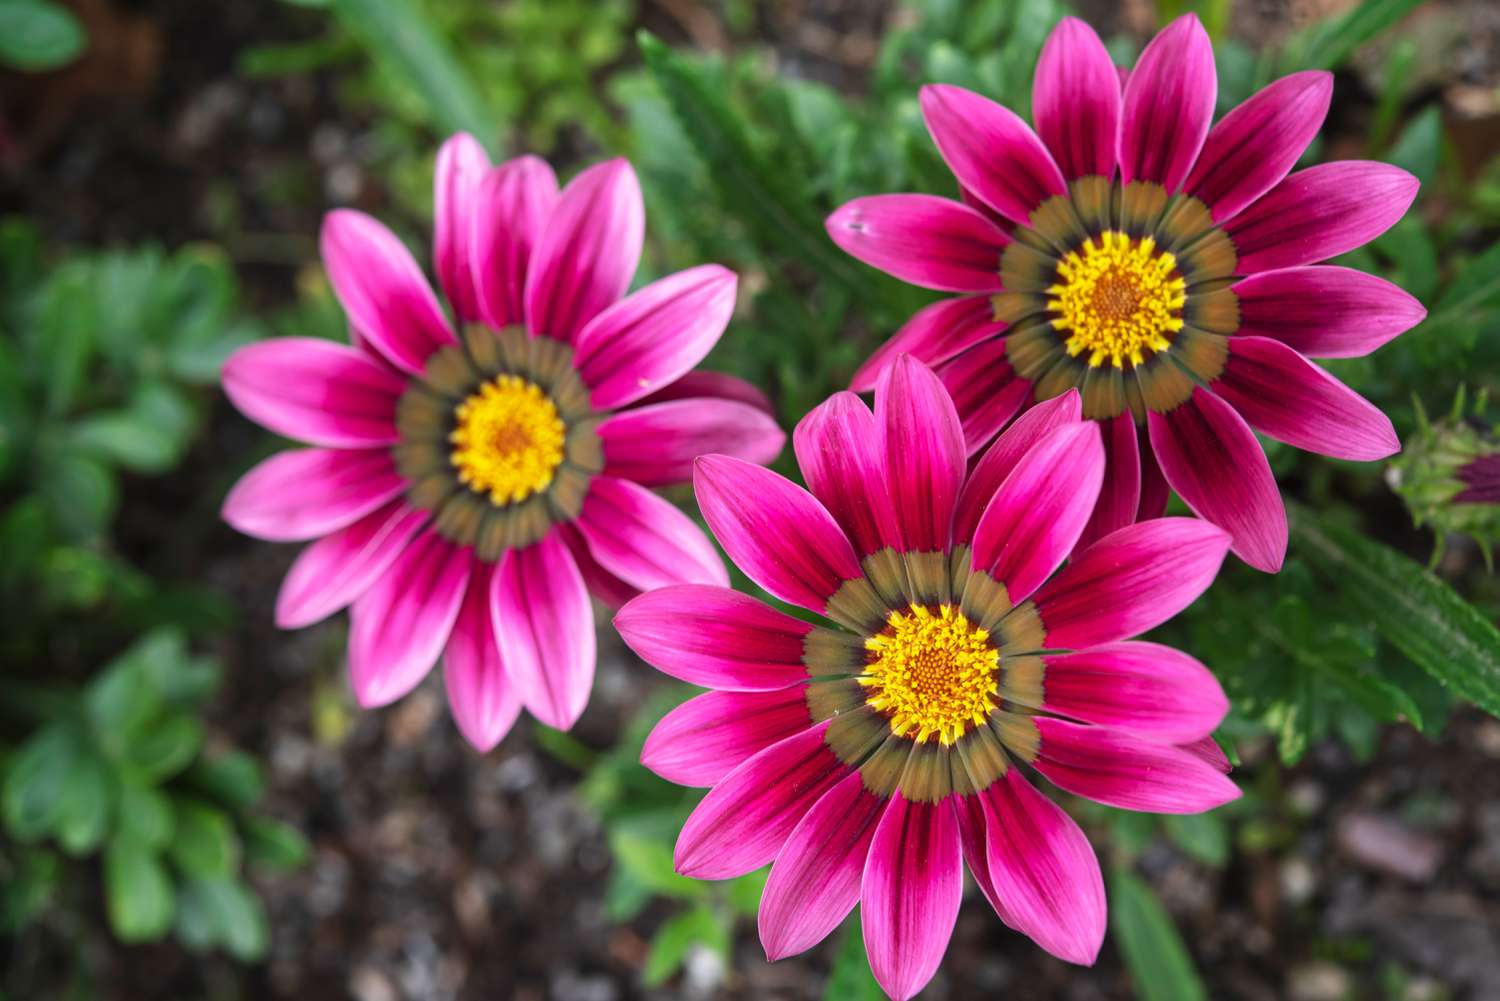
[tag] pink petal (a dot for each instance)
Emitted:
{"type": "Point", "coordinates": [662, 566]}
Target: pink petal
{"type": "Point", "coordinates": [483, 700]}
{"type": "Point", "coordinates": [1209, 750]}
{"type": "Point", "coordinates": [588, 251]}
{"type": "Point", "coordinates": [515, 201]}
{"type": "Point", "coordinates": [701, 383]}
{"type": "Point", "coordinates": [602, 584]}
{"type": "Point", "coordinates": [314, 391]}
{"type": "Point", "coordinates": [1168, 105]}
{"type": "Point", "coordinates": [644, 539]}
{"type": "Point", "coordinates": [1211, 458]}
{"type": "Point", "coordinates": [1154, 489]}
{"type": "Point", "coordinates": [928, 241]}
{"type": "Point", "coordinates": [933, 335]}
{"type": "Point", "coordinates": [715, 637]}
{"type": "Point", "coordinates": [1113, 767]}
{"type": "Point", "coordinates": [1130, 581]}
{"type": "Point", "coordinates": [543, 621]}
{"type": "Point", "coordinates": [1152, 691]}
{"type": "Point", "coordinates": [1257, 144]}
{"type": "Point", "coordinates": [1075, 100]}
{"type": "Point", "coordinates": [304, 493]}
{"type": "Point", "coordinates": [1045, 871]}
{"type": "Point", "coordinates": [338, 568]}
{"type": "Point", "coordinates": [1036, 516]}
{"type": "Point", "coordinates": [838, 450]}
{"type": "Point", "coordinates": [985, 391]}
{"type": "Point", "coordinates": [707, 737]}
{"type": "Point", "coordinates": [816, 879]}
{"type": "Point", "coordinates": [924, 453]}
{"type": "Point", "coordinates": [774, 530]}
{"type": "Point", "coordinates": [1325, 311]}
{"type": "Point", "coordinates": [645, 342]}
{"type": "Point", "coordinates": [1289, 398]}
{"type": "Point", "coordinates": [1120, 497]}
{"type": "Point", "coordinates": [973, 828]}
{"type": "Point", "coordinates": [382, 289]}
{"type": "Point", "coordinates": [461, 168]}
{"type": "Point", "coordinates": [1001, 457]}
{"type": "Point", "coordinates": [398, 628]}
{"type": "Point", "coordinates": [991, 151]}
{"type": "Point", "coordinates": [744, 820]}
{"type": "Point", "coordinates": [1319, 213]}
{"type": "Point", "coordinates": [656, 445]}
{"type": "Point", "coordinates": [913, 886]}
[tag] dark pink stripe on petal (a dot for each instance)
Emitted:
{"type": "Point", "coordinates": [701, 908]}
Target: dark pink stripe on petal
{"type": "Point", "coordinates": [514, 203]}
{"type": "Point", "coordinates": [1130, 581]}
{"type": "Point", "coordinates": [991, 151]}
{"type": "Point", "coordinates": [1001, 457]}
{"type": "Point", "coordinates": [588, 251]}
{"type": "Point", "coordinates": [1155, 493]}
{"type": "Point", "coordinates": [1319, 213]}
{"type": "Point", "coordinates": [1168, 105]}
{"type": "Point", "coordinates": [715, 637]}
{"type": "Point", "coordinates": [1120, 497]}
{"type": "Point", "coordinates": [700, 383]}
{"type": "Point", "coordinates": [707, 737]}
{"type": "Point", "coordinates": [338, 568]}
{"type": "Point", "coordinates": [1209, 750]}
{"type": "Point", "coordinates": [933, 335]}
{"type": "Point", "coordinates": [1211, 458]}
{"type": "Point", "coordinates": [314, 391]}
{"type": "Point", "coordinates": [304, 493]}
{"type": "Point", "coordinates": [602, 584]}
{"type": "Point", "coordinates": [838, 450]}
{"type": "Point", "coordinates": [544, 623]}
{"type": "Point", "coordinates": [655, 445]}
{"type": "Point", "coordinates": [1289, 398]}
{"type": "Point", "coordinates": [985, 390]}
{"type": "Point", "coordinates": [1325, 311]}
{"type": "Point", "coordinates": [1075, 100]}
{"type": "Point", "coordinates": [645, 540]}
{"type": "Point", "coordinates": [482, 699]}
{"type": "Point", "coordinates": [924, 453]}
{"type": "Point", "coordinates": [461, 167]}
{"type": "Point", "coordinates": [929, 241]}
{"type": "Point", "coordinates": [1113, 767]}
{"type": "Point", "coordinates": [1150, 690]}
{"type": "Point", "coordinates": [973, 828]}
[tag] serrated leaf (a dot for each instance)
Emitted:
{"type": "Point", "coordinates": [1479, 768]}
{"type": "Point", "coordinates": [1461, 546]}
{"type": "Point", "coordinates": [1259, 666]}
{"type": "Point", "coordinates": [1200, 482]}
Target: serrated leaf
{"type": "Point", "coordinates": [138, 893]}
{"type": "Point", "coordinates": [851, 979]}
{"type": "Point", "coordinates": [1159, 963]}
{"type": "Point", "coordinates": [204, 845]}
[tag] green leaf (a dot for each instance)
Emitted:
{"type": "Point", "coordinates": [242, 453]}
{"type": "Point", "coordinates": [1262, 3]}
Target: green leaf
{"type": "Point", "coordinates": [34, 781]}
{"type": "Point", "coordinates": [165, 749]}
{"type": "Point", "coordinates": [744, 893]}
{"type": "Point", "coordinates": [27, 888]}
{"type": "Point", "coordinates": [81, 492]}
{"type": "Point", "coordinates": [143, 812]}
{"type": "Point", "coordinates": [1159, 963]}
{"type": "Point", "coordinates": [226, 912]}
{"type": "Point", "coordinates": [850, 978]}
{"type": "Point", "coordinates": [273, 844]}
{"type": "Point", "coordinates": [1420, 144]}
{"type": "Point", "coordinates": [649, 862]}
{"type": "Point", "coordinates": [85, 802]}
{"type": "Point", "coordinates": [670, 944]}
{"type": "Point", "coordinates": [138, 893]}
{"type": "Point", "coordinates": [120, 704]}
{"type": "Point", "coordinates": [204, 844]}
{"type": "Point", "coordinates": [38, 35]}
{"type": "Point", "coordinates": [1203, 836]}
{"type": "Point", "coordinates": [233, 778]}
{"type": "Point", "coordinates": [63, 341]}
{"type": "Point", "coordinates": [1327, 44]}
{"type": "Point", "coordinates": [1416, 612]}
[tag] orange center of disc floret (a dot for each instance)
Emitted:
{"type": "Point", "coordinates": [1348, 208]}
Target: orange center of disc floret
{"type": "Point", "coordinates": [507, 440]}
{"type": "Point", "coordinates": [1116, 298]}
{"type": "Point", "coordinates": [932, 673]}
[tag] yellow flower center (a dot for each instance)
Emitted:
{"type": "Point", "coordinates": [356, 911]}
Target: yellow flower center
{"type": "Point", "coordinates": [932, 673]}
{"type": "Point", "coordinates": [1116, 298]}
{"type": "Point", "coordinates": [508, 440]}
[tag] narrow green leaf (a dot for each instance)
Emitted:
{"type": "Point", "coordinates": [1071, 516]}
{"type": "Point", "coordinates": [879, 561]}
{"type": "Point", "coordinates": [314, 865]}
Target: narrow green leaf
{"type": "Point", "coordinates": [851, 979]}
{"type": "Point", "coordinates": [1159, 963]}
{"type": "Point", "coordinates": [1420, 144]}
{"type": "Point", "coordinates": [38, 35]}
{"type": "Point", "coordinates": [138, 893]}
{"type": "Point", "coordinates": [1327, 44]}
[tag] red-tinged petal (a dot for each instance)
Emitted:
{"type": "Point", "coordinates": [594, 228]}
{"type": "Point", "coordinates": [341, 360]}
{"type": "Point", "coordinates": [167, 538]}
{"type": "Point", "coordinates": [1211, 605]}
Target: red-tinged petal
{"type": "Point", "coordinates": [587, 253]}
{"type": "Point", "coordinates": [1168, 105]}
{"type": "Point", "coordinates": [482, 699]}
{"type": "Point", "coordinates": [744, 820]}
{"type": "Point", "coordinates": [1111, 766]}
{"type": "Point", "coordinates": [461, 168]}
{"type": "Point", "coordinates": [838, 450]}
{"type": "Point", "coordinates": [703, 384]}
{"type": "Point", "coordinates": [715, 637]}
{"type": "Point", "coordinates": [1209, 750]}
{"type": "Point", "coordinates": [656, 445]}
{"type": "Point", "coordinates": [1045, 871]}
{"type": "Point", "coordinates": [1155, 493]}
{"type": "Point", "coordinates": [602, 584]}
{"type": "Point", "coordinates": [707, 737]}
{"type": "Point", "coordinates": [933, 335]}
{"type": "Point", "coordinates": [1257, 144]}
{"type": "Point", "coordinates": [338, 568]}
{"type": "Point", "coordinates": [1319, 213]}
{"type": "Point", "coordinates": [515, 200]}
{"type": "Point", "coordinates": [315, 391]}
{"type": "Point", "coordinates": [1075, 100]}
{"type": "Point", "coordinates": [913, 886]}
{"type": "Point", "coordinates": [1130, 581]}
{"type": "Point", "coordinates": [774, 530]}
{"type": "Point", "coordinates": [991, 151]}
{"type": "Point", "coordinates": [1001, 457]}
{"type": "Point", "coordinates": [1210, 457]}
{"type": "Point", "coordinates": [305, 493]}
{"type": "Point", "coordinates": [816, 879]}
{"type": "Point", "coordinates": [646, 540]}
{"type": "Point", "coordinates": [985, 391]}
{"type": "Point", "coordinates": [929, 241]}
{"type": "Point", "coordinates": [383, 290]}
{"type": "Point", "coordinates": [1120, 497]}
{"type": "Point", "coordinates": [1325, 311]}
{"type": "Point", "coordinates": [399, 627]}
{"type": "Point", "coordinates": [1289, 398]}
{"type": "Point", "coordinates": [925, 456]}
{"type": "Point", "coordinates": [973, 828]}
{"type": "Point", "coordinates": [1034, 519]}
{"type": "Point", "coordinates": [1153, 691]}
{"type": "Point", "coordinates": [653, 337]}
{"type": "Point", "coordinates": [542, 618]}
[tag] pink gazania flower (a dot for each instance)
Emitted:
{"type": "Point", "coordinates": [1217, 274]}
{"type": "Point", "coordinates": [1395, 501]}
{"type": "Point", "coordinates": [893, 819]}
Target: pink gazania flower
{"type": "Point", "coordinates": [871, 757]}
{"type": "Point", "coordinates": [1157, 265]}
{"type": "Point", "coordinates": [473, 480]}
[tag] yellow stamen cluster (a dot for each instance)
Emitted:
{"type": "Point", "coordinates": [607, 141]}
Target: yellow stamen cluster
{"type": "Point", "coordinates": [932, 673]}
{"type": "Point", "coordinates": [1117, 297]}
{"type": "Point", "coordinates": [507, 440]}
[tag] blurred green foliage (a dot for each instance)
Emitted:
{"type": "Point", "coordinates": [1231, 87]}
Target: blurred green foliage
{"type": "Point", "coordinates": [38, 35]}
